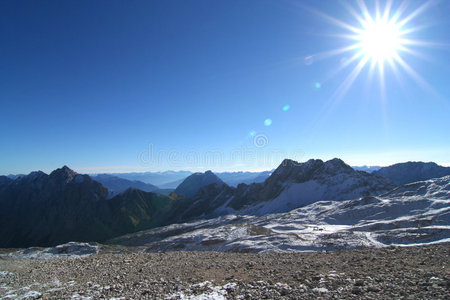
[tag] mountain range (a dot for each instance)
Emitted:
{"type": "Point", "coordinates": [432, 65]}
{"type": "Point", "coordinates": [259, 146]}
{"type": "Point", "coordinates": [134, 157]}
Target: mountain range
{"type": "Point", "coordinates": [400, 173]}
{"type": "Point", "coordinates": [290, 186]}
{"type": "Point", "coordinates": [235, 178]}
{"type": "Point", "coordinates": [166, 179]}
{"type": "Point", "coordinates": [413, 214]}
{"type": "Point", "coordinates": [45, 210]}
{"type": "Point", "coordinates": [172, 179]}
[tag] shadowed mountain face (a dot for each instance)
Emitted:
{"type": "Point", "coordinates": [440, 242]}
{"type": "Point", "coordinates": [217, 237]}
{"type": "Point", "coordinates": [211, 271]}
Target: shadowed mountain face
{"type": "Point", "coordinates": [41, 209]}
{"type": "Point", "coordinates": [192, 184]}
{"type": "Point", "coordinates": [409, 172]}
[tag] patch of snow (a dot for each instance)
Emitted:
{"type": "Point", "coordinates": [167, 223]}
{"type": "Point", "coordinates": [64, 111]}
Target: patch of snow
{"type": "Point", "coordinates": [68, 250]}
{"type": "Point", "coordinates": [77, 296]}
{"type": "Point", "coordinates": [214, 293]}
{"type": "Point", "coordinates": [320, 290]}
{"type": "Point", "coordinates": [32, 295]}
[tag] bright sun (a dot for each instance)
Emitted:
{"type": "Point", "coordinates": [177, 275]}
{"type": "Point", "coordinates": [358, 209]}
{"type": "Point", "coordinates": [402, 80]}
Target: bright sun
{"type": "Point", "coordinates": [380, 40]}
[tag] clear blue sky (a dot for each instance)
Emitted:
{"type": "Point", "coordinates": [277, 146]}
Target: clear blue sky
{"type": "Point", "coordinates": [154, 85]}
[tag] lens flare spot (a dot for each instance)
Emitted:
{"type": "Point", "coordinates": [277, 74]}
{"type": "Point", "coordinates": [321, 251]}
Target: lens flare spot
{"type": "Point", "coordinates": [286, 107]}
{"type": "Point", "coordinates": [267, 122]}
{"type": "Point", "coordinates": [309, 60]}
{"type": "Point", "coordinates": [252, 133]}
{"type": "Point", "coordinates": [317, 85]}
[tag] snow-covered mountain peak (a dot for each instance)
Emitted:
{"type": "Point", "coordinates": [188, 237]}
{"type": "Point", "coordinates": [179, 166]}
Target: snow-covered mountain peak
{"type": "Point", "coordinates": [292, 171]}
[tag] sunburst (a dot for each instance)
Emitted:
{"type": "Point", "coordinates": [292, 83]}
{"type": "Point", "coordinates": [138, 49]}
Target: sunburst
{"type": "Point", "coordinates": [379, 39]}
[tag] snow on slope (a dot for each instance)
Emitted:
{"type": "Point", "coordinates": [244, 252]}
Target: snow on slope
{"type": "Point", "coordinates": [342, 186]}
{"type": "Point", "coordinates": [418, 213]}
{"type": "Point", "coordinates": [290, 186]}
{"type": "Point", "coordinates": [68, 250]}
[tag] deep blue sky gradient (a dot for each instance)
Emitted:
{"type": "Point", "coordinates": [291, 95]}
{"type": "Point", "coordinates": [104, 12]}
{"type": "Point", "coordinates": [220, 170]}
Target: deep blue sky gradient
{"type": "Point", "coordinates": [96, 84]}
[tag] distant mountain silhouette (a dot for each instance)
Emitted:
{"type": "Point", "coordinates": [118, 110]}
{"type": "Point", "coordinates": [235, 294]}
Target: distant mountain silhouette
{"type": "Point", "coordinates": [403, 173]}
{"type": "Point", "coordinates": [235, 178]}
{"type": "Point", "coordinates": [172, 179]}
{"type": "Point", "coordinates": [117, 185]}
{"type": "Point", "coordinates": [165, 180]}
{"type": "Point", "coordinates": [193, 183]}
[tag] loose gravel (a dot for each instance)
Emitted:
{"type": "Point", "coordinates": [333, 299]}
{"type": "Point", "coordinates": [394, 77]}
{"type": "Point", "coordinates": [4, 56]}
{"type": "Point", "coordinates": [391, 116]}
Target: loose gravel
{"type": "Point", "coordinates": [386, 273]}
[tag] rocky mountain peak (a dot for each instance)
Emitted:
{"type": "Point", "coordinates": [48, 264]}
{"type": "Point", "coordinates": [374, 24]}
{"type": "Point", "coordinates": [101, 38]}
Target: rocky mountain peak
{"type": "Point", "coordinates": [35, 179]}
{"type": "Point", "coordinates": [290, 170]}
{"type": "Point", "coordinates": [64, 174]}
{"type": "Point", "coordinates": [288, 162]}
{"type": "Point", "coordinates": [337, 165]}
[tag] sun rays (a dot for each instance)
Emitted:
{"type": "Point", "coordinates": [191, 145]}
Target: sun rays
{"type": "Point", "coordinates": [378, 40]}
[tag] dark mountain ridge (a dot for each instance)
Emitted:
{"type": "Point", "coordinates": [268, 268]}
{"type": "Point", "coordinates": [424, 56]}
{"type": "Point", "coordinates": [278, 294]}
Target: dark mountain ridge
{"type": "Point", "coordinates": [45, 210]}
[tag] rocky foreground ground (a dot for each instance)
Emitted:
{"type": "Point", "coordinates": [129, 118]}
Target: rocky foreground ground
{"type": "Point", "coordinates": [410, 272]}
